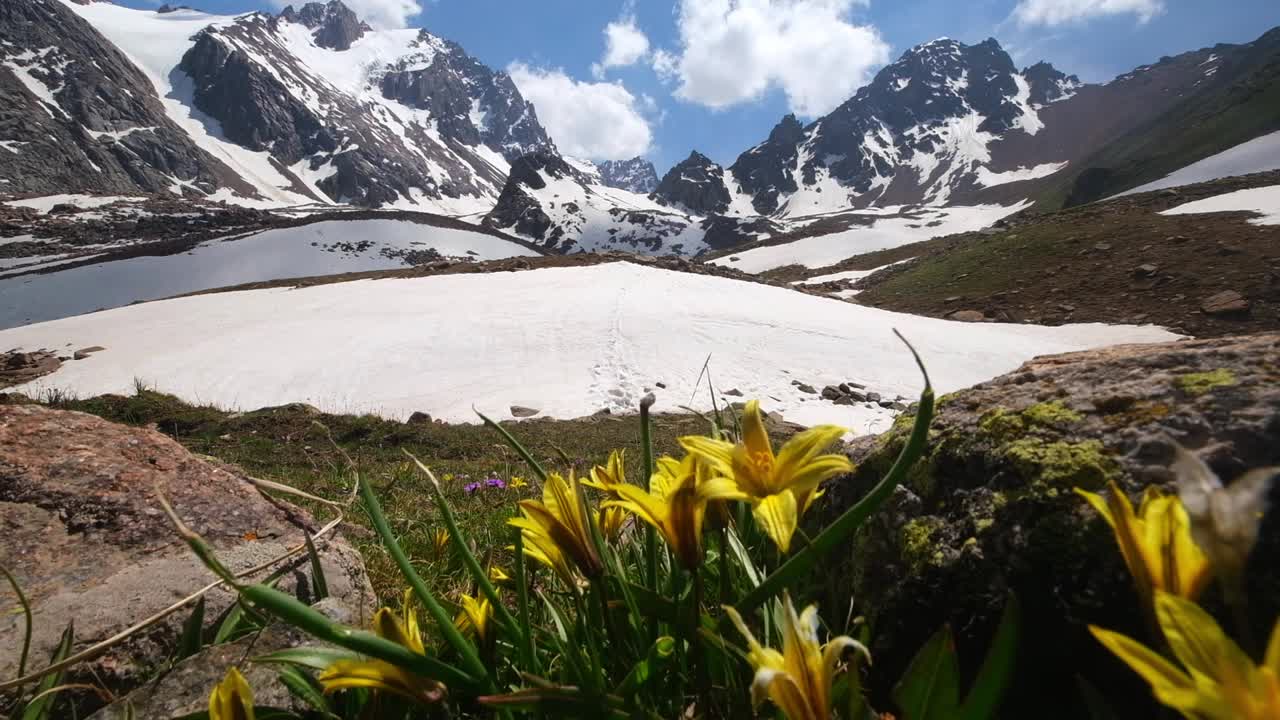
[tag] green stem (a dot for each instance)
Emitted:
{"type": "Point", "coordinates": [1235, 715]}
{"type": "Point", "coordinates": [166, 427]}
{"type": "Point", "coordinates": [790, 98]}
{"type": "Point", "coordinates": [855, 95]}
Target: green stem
{"type": "Point", "coordinates": [701, 671]}
{"type": "Point", "coordinates": [445, 623]}
{"type": "Point", "coordinates": [528, 657]}
{"type": "Point", "coordinates": [651, 535]}
{"type": "Point", "coordinates": [26, 637]}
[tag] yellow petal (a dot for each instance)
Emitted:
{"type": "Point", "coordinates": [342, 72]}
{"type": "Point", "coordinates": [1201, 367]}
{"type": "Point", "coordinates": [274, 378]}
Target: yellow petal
{"type": "Point", "coordinates": [1130, 537]}
{"type": "Point", "coordinates": [778, 516]}
{"type": "Point", "coordinates": [805, 446]}
{"type": "Point", "coordinates": [1198, 642]}
{"type": "Point", "coordinates": [231, 699]}
{"type": "Point", "coordinates": [754, 436]}
{"type": "Point", "coordinates": [787, 695]}
{"type": "Point", "coordinates": [1272, 659]}
{"type": "Point", "coordinates": [1170, 685]}
{"type": "Point", "coordinates": [1099, 503]}
{"type": "Point", "coordinates": [379, 675]}
{"type": "Point", "coordinates": [716, 453]}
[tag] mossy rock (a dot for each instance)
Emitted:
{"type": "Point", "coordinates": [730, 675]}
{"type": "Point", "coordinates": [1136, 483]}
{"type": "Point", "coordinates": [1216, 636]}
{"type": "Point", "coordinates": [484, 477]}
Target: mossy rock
{"type": "Point", "coordinates": [990, 510]}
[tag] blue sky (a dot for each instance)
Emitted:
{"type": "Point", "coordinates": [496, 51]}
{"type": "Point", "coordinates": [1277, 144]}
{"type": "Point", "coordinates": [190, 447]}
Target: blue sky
{"type": "Point", "coordinates": [716, 75]}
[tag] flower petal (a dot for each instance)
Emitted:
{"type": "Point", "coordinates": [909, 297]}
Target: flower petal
{"type": "Point", "coordinates": [1171, 686]}
{"type": "Point", "coordinates": [1198, 642]}
{"type": "Point", "coordinates": [778, 516]}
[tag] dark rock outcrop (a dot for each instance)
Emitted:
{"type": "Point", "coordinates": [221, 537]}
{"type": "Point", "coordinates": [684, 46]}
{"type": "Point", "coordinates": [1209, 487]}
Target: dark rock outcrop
{"type": "Point", "coordinates": [695, 184]}
{"type": "Point", "coordinates": [768, 168]}
{"type": "Point", "coordinates": [86, 538]}
{"type": "Point", "coordinates": [990, 510]}
{"type": "Point", "coordinates": [635, 175]}
{"type": "Point", "coordinates": [335, 26]}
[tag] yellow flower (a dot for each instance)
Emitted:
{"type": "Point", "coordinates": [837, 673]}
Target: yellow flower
{"type": "Point", "coordinates": [1156, 542]}
{"type": "Point", "coordinates": [517, 482]}
{"type": "Point", "coordinates": [475, 616]}
{"type": "Point", "coordinates": [498, 575]}
{"type": "Point", "coordinates": [798, 679]}
{"type": "Point", "coordinates": [676, 503]}
{"type": "Point", "coordinates": [557, 530]}
{"type": "Point", "coordinates": [231, 699]}
{"type": "Point", "coordinates": [1217, 680]}
{"type": "Point", "coordinates": [441, 541]}
{"type": "Point", "coordinates": [379, 674]}
{"type": "Point", "coordinates": [781, 487]}
{"type": "Point", "coordinates": [608, 478]}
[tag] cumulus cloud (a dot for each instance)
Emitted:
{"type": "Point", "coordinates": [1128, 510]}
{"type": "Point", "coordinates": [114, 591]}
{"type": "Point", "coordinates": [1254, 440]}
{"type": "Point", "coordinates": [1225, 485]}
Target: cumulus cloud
{"type": "Point", "coordinates": [1061, 12]}
{"type": "Point", "coordinates": [733, 51]}
{"type": "Point", "coordinates": [381, 14]}
{"type": "Point", "coordinates": [591, 120]}
{"type": "Point", "coordinates": [625, 43]}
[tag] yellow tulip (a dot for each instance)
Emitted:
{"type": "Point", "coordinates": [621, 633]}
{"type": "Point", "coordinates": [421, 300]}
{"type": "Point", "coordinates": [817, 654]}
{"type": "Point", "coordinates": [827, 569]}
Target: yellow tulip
{"type": "Point", "coordinates": [798, 679]}
{"type": "Point", "coordinates": [608, 478]}
{"type": "Point", "coordinates": [780, 487]}
{"type": "Point", "coordinates": [517, 482]}
{"type": "Point", "coordinates": [498, 575]}
{"type": "Point", "coordinates": [1217, 680]}
{"type": "Point", "coordinates": [676, 503]}
{"type": "Point", "coordinates": [231, 699]}
{"type": "Point", "coordinates": [379, 674]}
{"type": "Point", "coordinates": [475, 616]}
{"type": "Point", "coordinates": [557, 530]}
{"type": "Point", "coordinates": [441, 541]}
{"type": "Point", "coordinates": [1155, 542]}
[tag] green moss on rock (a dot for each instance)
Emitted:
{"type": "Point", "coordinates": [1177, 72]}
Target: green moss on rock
{"type": "Point", "coordinates": [1084, 464]}
{"type": "Point", "coordinates": [1200, 383]}
{"type": "Point", "coordinates": [917, 542]}
{"type": "Point", "coordinates": [1052, 414]}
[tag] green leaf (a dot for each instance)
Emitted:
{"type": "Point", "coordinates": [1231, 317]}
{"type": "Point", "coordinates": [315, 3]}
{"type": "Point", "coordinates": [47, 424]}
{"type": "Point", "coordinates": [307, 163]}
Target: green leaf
{"type": "Point", "coordinates": [1096, 704]}
{"type": "Point", "coordinates": [930, 688]}
{"type": "Point", "coordinates": [316, 658]}
{"type": "Point", "coordinates": [40, 708]}
{"type": "Point", "coordinates": [305, 688]}
{"type": "Point", "coordinates": [838, 533]}
{"type": "Point", "coordinates": [997, 669]}
{"type": "Point", "coordinates": [26, 632]}
{"type": "Point", "coordinates": [192, 632]}
{"type": "Point", "coordinates": [467, 651]}
{"type": "Point", "coordinates": [567, 643]}
{"type": "Point", "coordinates": [319, 584]}
{"type": "Point", "coordinates": [661, 650]}
{"type": "Point", "coordinates": [653, 604]}
{"type": "Point", "coordinates": [233, 623]}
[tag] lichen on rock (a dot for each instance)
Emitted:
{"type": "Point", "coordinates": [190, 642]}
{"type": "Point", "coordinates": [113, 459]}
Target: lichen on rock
{"type": "Point", "coordinates": [989, 509]}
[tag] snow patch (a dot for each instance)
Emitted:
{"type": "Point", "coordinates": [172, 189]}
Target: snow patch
{"type": "Point", "coordinates": [1264, 200]}
{"type": "Point", "coordinates": [1257, 155]}
{"type": "Point", "coordinates": [391, 347]}
{"type": "Point", "coordinates": [987, 178]}
{"type": "Point", "coordinates": [46, 203]}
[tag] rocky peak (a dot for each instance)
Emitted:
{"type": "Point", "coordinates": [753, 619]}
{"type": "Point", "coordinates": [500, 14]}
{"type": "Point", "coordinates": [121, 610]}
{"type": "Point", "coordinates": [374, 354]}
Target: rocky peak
{"type": "Point", "coordinates": [1048, 84]}
{"type": "Point", "coordinates": [333, 25]}
{"type": "Point", "coordinates": [769, 167]}
{"type": "Point", "coordinates": [697, 184]}
{"type": "Point", "coordinates": [636, 175]}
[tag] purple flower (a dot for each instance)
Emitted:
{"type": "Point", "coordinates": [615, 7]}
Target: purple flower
{"type": "Point", "coordinates": [494, 482]}
{"type": "Point", "coordinates": [471, 487]}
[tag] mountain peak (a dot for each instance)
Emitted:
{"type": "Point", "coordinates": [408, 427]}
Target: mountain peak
{"type": "Point", "coordinates": [636, 175]}
{"type": "Point", "coordinates": [334, 25]}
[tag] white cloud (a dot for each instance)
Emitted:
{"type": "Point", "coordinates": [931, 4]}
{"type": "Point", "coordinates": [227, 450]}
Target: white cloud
{"type": "Point", "coordinates": [1060, 12]}
{"type": "Point", "coordinates": [590, 120]}
{"type": "Point", "coordinates": [733, 51]}
{"type": "Point", "coordinates": [625, 43]}
{"type": "Point", "coordinates": [380, 14]}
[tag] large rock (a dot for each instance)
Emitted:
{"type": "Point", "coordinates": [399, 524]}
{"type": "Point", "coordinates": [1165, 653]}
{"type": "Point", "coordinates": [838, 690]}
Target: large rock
{"type": "Point", "coordinates": [81, 530]}
{"type": "Point", "coordinates": [990, 510]}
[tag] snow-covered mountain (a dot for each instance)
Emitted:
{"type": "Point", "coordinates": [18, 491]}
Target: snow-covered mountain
{"type": "Point", "coordinates": [636, 175]}
{"type": "Point", "coordinates": [309, 105]}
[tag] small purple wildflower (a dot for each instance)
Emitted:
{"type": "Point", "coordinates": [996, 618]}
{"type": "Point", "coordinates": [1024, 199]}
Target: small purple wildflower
{"type": "Point", "coordinates": [494, 482]}
{"type": "Point", "coordinates": [471, 487]}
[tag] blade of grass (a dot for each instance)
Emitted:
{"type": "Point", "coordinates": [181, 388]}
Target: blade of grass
{"type": "Point", "coordinates": [316, 658]}
{"type": "Point", "coordinates": [42, 704]}
{"type": "Point", "coordinates": [319, 584]}
{"type": "Point", "coordinates": [463, 547]}
{"type": "Point", "coordinates": [192, 632]}
{"type": "Point", "coordinates": [470, 658]}
{"type": "Point", "coordinates": [997, 669]}
{"type": "Point", "coordinates": [661, 650]}
{"type": "Point", "coordinates": [304, 687]}
{"type": "Point", "coordinates": [515, 445]}
{"type": "Point", "coordinates": [26, 633]}
{"type": "Point", "coordinates": [529, 658]}
{"type": "Point", "coordinates": [839, 531]}
{"type": "Point", "coordinates": [650, 533]}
